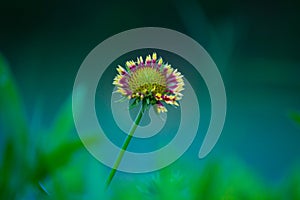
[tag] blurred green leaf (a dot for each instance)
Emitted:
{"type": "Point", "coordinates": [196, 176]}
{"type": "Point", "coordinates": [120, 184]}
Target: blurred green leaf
{"type": "Point", "coordinates": [295, 116]}
{"type": "Point", "coordinates": [207, 185]}
{"type": "Point", "coordinates": [163, 184]}
{"type": "Point", "coordinates": [293, 186]}
{"type": "Point", "coordinates": [19, 171]}
{"type": "Point", "coordinates": [61, 128]}
{"type": "Point", "coordinates": [13, 126]}
{"type": "Point", "coordinates": [12, 115]}
{"type": "Point", "coordinates": [5, 170]}
{"type": "Point", "coordinates": [58, 157]}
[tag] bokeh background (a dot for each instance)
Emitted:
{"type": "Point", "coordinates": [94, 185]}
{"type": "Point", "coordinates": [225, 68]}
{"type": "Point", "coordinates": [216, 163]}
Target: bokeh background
{"type": "Point", "coordinates": [255, 45]}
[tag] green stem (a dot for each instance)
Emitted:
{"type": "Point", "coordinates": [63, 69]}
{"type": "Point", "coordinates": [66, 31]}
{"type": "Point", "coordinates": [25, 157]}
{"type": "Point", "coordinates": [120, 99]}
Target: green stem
{"type": "Point", "coordinates": [125, 145]}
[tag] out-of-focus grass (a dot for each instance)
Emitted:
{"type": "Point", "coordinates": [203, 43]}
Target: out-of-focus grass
{"type": "Point", "coordinates": [29, 159]}
{"type": "Point", "coordinates": [215, 181]}
{"type": "Point", "coordinates": [40, 164]}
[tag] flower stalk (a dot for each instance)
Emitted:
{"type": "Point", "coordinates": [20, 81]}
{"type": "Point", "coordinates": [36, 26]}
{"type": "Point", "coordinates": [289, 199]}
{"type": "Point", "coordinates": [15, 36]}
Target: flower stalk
{"type": "Point", "coordinates": [125, 144]}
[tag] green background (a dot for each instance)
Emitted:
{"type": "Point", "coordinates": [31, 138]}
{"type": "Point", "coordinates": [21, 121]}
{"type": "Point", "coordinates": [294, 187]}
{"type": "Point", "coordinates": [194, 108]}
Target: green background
{"type": "Point", "coordinates": [255, 45]}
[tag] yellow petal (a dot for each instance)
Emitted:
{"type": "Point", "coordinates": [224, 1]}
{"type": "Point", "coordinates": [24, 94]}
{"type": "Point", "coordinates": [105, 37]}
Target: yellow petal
{"type": "Point", "coordinates": [160, 61]}
{"type": "Point", "coordinates": [154, 56]}
{"type": "Point", "coordinates": [128, 64]}
{"type": "Point", "coordinates": [120, 69]}
{"type": "Point", "coordinates": [148, 58]}
{"type": "Point", "coordinates": [138, 60]}
{"type": "Point", "coordinates": [141, 59]}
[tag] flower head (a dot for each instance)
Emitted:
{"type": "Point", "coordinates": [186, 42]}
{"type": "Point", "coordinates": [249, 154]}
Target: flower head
{"type": "Point", "coordinates": [152, 82]}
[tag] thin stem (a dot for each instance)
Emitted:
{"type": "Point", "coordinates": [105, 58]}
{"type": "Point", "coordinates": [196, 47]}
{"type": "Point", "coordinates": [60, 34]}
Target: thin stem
{"type": "Point", "coordinates": [125, 145]}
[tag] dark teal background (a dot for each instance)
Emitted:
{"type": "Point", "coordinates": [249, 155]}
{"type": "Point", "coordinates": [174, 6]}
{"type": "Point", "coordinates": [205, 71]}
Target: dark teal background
{"type": "Point", "coordinates": [255, 45]}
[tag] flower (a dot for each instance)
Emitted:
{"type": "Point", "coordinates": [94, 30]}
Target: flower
{"type": "Point", "coordinates": [152, 82]}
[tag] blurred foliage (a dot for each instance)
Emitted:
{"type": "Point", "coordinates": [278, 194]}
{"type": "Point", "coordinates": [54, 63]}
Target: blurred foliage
{"type": "Point", "coordinates": [29, 159]}
{"type": "Point", "coordinates": [295, 116]}
{"type": "Point", "coordinates": [38, 163]}
{"type": "Point", "coordinates": [293, 186]}
{"type": "Point", "coordinates": [214, 182]}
